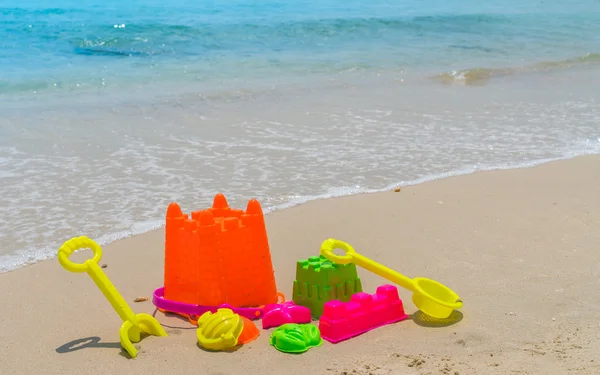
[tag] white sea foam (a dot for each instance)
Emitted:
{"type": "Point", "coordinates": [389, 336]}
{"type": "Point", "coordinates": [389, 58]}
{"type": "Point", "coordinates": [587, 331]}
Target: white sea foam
{"type": "Point", "coordinates": [110, 174]}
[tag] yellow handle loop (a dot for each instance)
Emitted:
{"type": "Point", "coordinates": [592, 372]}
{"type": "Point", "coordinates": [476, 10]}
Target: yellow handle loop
{"type": "Point", "coordinates": [331, 244]}
{"type": "Point", "coordinates": [74, 244]}
{"type": "Point", "coordinates": [352, 256]}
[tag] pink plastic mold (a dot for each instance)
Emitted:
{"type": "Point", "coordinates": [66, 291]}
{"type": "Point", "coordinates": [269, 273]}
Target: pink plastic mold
{"type": "Point", "coordinates": [364, 312]}
{"type": "Point", "coordinates": [288, 312]}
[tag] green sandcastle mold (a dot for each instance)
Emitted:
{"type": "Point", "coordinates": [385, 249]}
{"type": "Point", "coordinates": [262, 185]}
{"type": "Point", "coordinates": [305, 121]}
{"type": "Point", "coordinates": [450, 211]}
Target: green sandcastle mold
{"type": "Point", "coordinates": [319, 280]}
{"type": "Point", "coordinates": [296, 338]}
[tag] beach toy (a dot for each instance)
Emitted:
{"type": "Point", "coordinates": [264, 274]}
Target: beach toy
{"type": "Point", "coordinates": [218, 256]}
{"type": "Point", "coordinates": [249, 333]}
{"type": "Point", "coordinates": [288, 312]}
{"type": "Point", "coordinates": [319, 280]}
{"type": "Point", "coordinates": [186, 309]}
{"type": "Point", "coordinates": [295, 338]}
{"type": "Point", "coordinates": [220, 330]}
{"type": "Point", "coordinates": [343, 320]}
{"type": "Point", "coordinates": [133, 324]}
{"type": "Point", "coordinates": [431, 297]}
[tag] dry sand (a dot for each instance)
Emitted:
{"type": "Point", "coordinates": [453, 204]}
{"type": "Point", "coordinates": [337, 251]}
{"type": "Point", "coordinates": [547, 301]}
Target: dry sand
{"type": "Point", "coordinates": [521, 247]}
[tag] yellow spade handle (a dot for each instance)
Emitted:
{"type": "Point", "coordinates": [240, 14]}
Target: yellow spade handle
{"type": "Point", "coordinates": [352, 256]}
{"type": "Point", "coordinates": [93, 269]}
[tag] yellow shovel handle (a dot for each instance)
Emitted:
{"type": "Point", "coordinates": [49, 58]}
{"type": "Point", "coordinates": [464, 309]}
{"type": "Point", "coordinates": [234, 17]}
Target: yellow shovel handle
{"type": "Point", "coordinates": [98, 276]}
{"type": "Point", "coordinates": [352, 256]}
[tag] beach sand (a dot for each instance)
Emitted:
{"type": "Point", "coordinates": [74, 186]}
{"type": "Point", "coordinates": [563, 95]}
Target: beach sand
{"type": "Point", "coordinates": [521, 247]}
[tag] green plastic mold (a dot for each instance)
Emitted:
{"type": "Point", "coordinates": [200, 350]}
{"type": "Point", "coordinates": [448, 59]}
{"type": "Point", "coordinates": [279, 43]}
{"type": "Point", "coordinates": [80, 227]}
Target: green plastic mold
{"type": "Point", "coordinates": [319, 280]}
{"type": "Point", "coordinates": [296, 338]}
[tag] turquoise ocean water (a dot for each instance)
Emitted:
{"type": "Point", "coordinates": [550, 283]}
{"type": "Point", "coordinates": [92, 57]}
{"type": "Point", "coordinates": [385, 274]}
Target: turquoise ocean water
{"type": "Point", "coordinates": [111, 109]}
{"type": "Point", "coordinates": [72, 45]}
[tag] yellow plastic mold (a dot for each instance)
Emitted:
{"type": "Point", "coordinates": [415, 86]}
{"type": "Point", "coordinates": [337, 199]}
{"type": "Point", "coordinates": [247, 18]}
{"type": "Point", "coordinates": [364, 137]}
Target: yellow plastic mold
{"type": "Point", "coordinates": [220, 330]}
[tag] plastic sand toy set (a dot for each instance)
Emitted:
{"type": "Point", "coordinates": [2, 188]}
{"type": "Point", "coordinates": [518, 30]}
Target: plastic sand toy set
{"type": "Point", "coordinates": [218, 274]}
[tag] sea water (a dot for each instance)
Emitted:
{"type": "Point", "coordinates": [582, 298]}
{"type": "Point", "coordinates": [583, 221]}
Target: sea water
{"type": "Point", "coordinates": [110, 110]}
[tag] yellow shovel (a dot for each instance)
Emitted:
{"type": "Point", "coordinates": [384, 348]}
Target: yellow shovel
{"type": "Point", "coordinates": [431, 297]}
{"type": "Point", "coordinates": [133, 324]}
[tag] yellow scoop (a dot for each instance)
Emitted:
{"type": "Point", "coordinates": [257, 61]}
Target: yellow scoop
{"type": "Point", "coordinates": [133, 324]}
{"type": "Point", "coordinates": [431, 297]}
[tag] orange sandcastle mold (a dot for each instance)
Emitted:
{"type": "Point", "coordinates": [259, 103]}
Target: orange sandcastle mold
{"type": "Point", "coordinates": [219, 255]}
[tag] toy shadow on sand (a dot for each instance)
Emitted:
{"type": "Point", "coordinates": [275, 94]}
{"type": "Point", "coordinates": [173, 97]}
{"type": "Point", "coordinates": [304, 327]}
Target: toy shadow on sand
{"type": "Point", "coordinates": [226, 350]}
{"type": "Point", "coordinates": [86, 342]}
{"type": "Point", "coordinates": [175, 316]}
{"type": "Point", "coordinates": [94, 342]}
{"type": "Point", "coordinates": [425, 320]}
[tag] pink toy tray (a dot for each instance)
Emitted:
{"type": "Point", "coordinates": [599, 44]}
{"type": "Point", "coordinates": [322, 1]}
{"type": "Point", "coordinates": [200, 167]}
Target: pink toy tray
{"type": "Point", "coordinates": [159, 300]}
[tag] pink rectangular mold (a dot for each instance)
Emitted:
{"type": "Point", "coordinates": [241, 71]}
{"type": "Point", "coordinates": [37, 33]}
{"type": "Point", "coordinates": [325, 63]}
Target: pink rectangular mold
{"type": "Point", "coordinates": [364, 312]}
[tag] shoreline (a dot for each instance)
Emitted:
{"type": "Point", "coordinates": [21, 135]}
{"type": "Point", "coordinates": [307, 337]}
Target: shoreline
{"type": "Point", "coordinates": [158, 224]}
{"type": "Point", "coordinates": [518, 245]}
{"type": "Point", "coordinates": [279, 145]}
{"type": "Point", "coordinates": [245, 88]}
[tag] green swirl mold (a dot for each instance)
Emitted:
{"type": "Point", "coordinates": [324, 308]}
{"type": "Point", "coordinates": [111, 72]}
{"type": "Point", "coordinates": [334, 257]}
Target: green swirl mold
{"type": "Point", "coordinates": [296, 338]}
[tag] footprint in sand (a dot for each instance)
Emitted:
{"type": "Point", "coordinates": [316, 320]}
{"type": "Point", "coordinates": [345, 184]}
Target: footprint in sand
{"type": "Point", "coordinates": [573, 348]}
